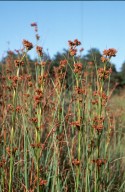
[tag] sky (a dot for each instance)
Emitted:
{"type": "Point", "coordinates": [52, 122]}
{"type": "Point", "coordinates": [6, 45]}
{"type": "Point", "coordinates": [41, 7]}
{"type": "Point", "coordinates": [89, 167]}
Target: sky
{"type": "Point", "coordinates": [97, 24]}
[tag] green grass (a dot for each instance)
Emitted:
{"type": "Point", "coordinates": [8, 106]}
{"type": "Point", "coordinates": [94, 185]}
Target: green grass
{"type": "Point", "coordinates": [56, 138]}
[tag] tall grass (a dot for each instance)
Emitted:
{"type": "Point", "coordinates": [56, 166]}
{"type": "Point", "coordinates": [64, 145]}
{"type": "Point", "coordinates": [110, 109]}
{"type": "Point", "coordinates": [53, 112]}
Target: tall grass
{"type": "Point", "coordinates": [55, 137]}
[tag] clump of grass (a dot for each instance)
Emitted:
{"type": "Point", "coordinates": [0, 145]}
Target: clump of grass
{"type": "Point", "coordinates": [56, 137]}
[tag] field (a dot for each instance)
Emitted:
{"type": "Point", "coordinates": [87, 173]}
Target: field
{"type": "Point", "coordinates": [62, 130]}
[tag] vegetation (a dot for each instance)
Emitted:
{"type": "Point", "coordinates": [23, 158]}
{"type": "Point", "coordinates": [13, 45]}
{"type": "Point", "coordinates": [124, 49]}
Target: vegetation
{"type": "Point", "coordinates": [61, 128]}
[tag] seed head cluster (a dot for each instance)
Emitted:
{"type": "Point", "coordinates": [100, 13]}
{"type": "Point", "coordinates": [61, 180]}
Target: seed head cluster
{"type": "Point", "coordinates": [110, 52]}
{"type": "Point", "coordinates": [27, 45]}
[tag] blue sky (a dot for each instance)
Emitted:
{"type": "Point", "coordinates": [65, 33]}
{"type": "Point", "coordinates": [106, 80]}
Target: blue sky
{"type": "Point", "coordinates": [95, 24]}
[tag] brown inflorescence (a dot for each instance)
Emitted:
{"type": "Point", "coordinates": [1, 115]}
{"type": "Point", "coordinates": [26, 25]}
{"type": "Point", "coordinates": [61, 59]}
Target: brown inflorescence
{"type": "Point", "coordinates": [76, 162]}
{"type": "Point", "coordinates": [18, 63]}
{"type": "Point", "coordinates": [77, 67]}
{"type": "Point", "coordinates": [73, 45]}
{"type": "Point", "coordinates": [39, 51]}
{"type": "Point", "coordinates": [36, 145]}
{"type": "Point", "coordinates": [96, 95]}
{"type": "Point", "coordinates": [38, 91]}
{"type": "Point", "coordinates": [77, 124]}
{"type": "Point", "coordinates": [27, 45]}
{"type": "Point", "coordinates": [43, 63]}
{"type": "Point", "coordinates": [104, 74]}
{"type": "Point", "coordinates": [30, 84]}
{"type": "Point", "coordinates": [14, 80]}
{"type": "Point", "coordinates": [10, 107]}
{"type": "Point", "coordinates": [98, 123]}
{"type": "Point", "coordinates": [38, 96]}
{"type": "Point", "coordinates": [18, 108]}
{"type": "Point", "coordinates": [59, 74]}
{"type": "Point", "coordinates": [28, 77]}
{"type": "Point", "coordinates": [2, 163]}
{"type": "Point", "coordinates": [77, 42]}
{"type": "Point", "coordinates": [63, 63]}
{"type": "Point", "coordinates": [42, 182]}
{"type": "Point", "coordinates": [95, 101]}
{"type": "Point", "coordinates": [110, 52]}
{"type": "Point", "coordinates": [104, 59]}
{"type": "Point", "coordinates": [34, 120]}
{"type": "Point", "coordinates": [34, 24]}
{"type": "Point", "coordinates": [9, 151]}
{"type": "Point", "coordinates": [10, 52]}
{"type": "Point", "coordinates": [90, 63]}
{"type": "Point", "coordinates": [73, 51]}
{"type": "Point", "coordinates": [37, 37]}
{"type": "Point", "coordinates": [80, 90]}
{"type": "Point", "coordinates": [99, 162]}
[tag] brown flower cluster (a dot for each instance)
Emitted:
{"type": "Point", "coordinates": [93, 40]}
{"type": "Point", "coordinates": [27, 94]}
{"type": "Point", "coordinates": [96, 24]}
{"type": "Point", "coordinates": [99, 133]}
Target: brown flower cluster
{"type": "Point", "coordinates": [73, 45]}
{"type": "Point", "coordinates": [38, 96]}
{"type": "Point", "coordinates": [39, 51]}
{"type": "Point", "coordinates": [10, 52]}
{"type": "Point", "coordinates": [43, 63]}
{"type": "Point", "coordinates": [77, 124]}
{"type": "Point", "coordinates": [28, 77]}
{"type": "Point", "coordinates": [2, 162]}
{"type": "Point", "coordinates": [95, 101]}
{"type": "Point", "coordinates": [10, 108]}
{"type": "Point", "coordinates": [18, 108]}
{"type": "Point", "coordinates": [30, 84]}
{"type": "Point", "coordinates": [42, 78]}
{"type": "Point", "coordinates": [77, 67]}
{"type": "Point", "coordinates": [42, 182]}
{"type": "Point", "coordinates": [104, 59]}
{"type": "Point", "coordinates": [75, 162]}
{"type": "Point", "coordinates": [104, 74]}
{"type": "Point", "coordinates": [14, 80]}
{"type": "Point", "coordinates": [98, 94]}
{"type": "Point", "coordinates": [18, 63]}
{"type": "Point", "coordinates": [73, 51]}
{"type": "Point", "coordinates": [90, 63]}
{"type": "Point", "coordinates": [63, 63]}
{"type": "Point", "coordinates": [99, 162]}
{"type": "Point", "coordinates": [110, 52]}
{"type": "Point", "coordinates": [9, 71]}
{"type": "Point", "coordinates": [9, 151]}
{"type": "Point", "coordinates": [37, 37]}
{"type": "Point", "coordinates": [59, 74]}
{"type": "Point", "coordinates": [98, 123]}
{"type": "Point", "coordinates": [80, 90]}
{"type": "Point", "coordinates": [34, 24]}
{"type": "Point", "coordinates": [104, 98]}
{"type": "Point", "coordinates": [27, 45]}
{"type": "Point", "coordinates": [36, 145]}
{"type": "Point", "coordinates": [34, 120]}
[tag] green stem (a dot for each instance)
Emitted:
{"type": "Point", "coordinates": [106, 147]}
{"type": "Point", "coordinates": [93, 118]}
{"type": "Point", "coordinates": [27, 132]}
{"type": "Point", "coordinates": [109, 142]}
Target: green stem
{"type": "Point", "coordinates": [11, 161]}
